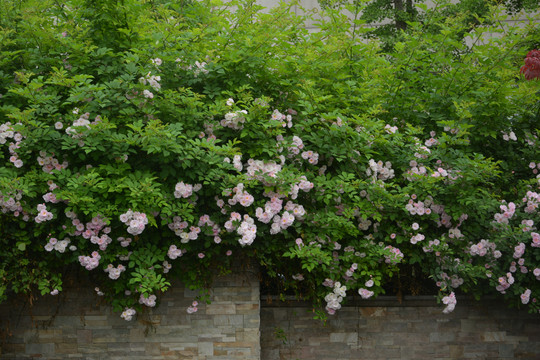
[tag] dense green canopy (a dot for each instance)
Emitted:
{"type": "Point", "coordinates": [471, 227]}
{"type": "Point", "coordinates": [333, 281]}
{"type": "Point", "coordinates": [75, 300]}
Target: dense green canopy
{"type": "Point", "coordinates": [146, 141]}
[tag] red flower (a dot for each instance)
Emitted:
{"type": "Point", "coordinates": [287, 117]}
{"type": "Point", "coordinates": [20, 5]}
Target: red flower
{"type": "Point", "coordinates": [531, 69]}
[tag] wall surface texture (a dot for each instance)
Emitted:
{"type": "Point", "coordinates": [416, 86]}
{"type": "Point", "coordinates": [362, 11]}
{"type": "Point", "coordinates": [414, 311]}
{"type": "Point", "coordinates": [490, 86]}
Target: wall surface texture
{"type": "Point", "coordinates": [74, 325]}
{"type": "Point", "coordinates": [236, 325]}
{"type": "Point", "coordinates": [415, 329]}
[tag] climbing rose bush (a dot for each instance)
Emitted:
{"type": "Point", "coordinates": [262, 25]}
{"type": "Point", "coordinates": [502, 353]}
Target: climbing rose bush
{"type": "Point", "coordinates": [157, 142]}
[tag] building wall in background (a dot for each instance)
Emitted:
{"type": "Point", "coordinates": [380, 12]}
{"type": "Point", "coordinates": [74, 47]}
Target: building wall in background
{"type": "Point", "coordinates": [309, 5]}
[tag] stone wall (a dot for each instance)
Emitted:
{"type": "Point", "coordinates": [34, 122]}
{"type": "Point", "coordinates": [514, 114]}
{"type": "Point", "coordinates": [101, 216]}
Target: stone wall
{"type": "Point", "coordinates": [76, 325]}
{"type": "Point", "coordinates": [385, 329]}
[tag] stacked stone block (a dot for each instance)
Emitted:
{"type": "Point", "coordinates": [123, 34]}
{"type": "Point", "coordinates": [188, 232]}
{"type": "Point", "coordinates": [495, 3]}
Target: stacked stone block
{"type": "Point", "coordinates": [385, 329]}
{"type": "Point", "coordinates": [77, 324]}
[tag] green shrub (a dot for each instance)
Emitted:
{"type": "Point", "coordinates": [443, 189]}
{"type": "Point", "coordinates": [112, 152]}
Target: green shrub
{"type": "Point", "coordinates": [148, 141]}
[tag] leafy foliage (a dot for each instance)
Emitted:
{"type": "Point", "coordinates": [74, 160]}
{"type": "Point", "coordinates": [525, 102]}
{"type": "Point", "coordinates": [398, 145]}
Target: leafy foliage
{"type": "Point", "coordinates": [145, 142]}
{"type": "Point", "coordinates": [390, 18]}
